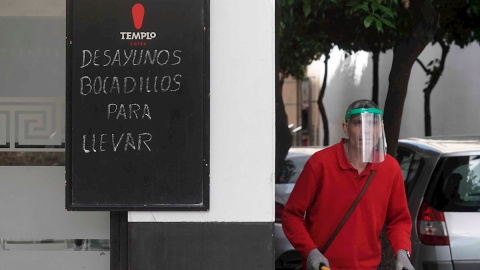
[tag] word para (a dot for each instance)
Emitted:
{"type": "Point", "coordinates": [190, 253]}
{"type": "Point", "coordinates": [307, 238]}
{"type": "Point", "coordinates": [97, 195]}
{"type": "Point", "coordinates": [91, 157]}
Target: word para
{"type": "Point", "coordinates": [132, 109]}
{"type": "Point", "coordinates": [108, 142]}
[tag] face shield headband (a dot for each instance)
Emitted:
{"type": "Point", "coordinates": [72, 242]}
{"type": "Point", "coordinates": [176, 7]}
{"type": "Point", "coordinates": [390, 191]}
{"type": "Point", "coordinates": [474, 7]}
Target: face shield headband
{"type": "Point", "coordinates": [363, 110]}
{"type": "Point", "coordinates": [366, 135]}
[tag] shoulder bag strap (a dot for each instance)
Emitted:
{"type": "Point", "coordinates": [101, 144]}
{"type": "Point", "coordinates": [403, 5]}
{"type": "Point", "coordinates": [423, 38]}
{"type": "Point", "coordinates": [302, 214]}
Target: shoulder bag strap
{"type": "Point", "coordinates": [347, 215]}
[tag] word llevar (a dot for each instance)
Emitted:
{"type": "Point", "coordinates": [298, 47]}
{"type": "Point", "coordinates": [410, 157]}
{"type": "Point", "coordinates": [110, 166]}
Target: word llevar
{"type": "Point", "coordinates": [98, 143]}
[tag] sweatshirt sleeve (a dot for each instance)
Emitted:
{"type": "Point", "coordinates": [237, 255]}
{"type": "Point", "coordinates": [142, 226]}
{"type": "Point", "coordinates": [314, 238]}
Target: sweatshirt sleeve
{"type": "Point", "coordinates": [399, 223]}
{"type": "Point", "coordinates": [293, 217]}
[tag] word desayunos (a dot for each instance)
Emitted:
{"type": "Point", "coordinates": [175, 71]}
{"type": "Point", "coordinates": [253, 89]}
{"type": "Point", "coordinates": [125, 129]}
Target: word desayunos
{"type": "Point", "coordinates": [132, 57]}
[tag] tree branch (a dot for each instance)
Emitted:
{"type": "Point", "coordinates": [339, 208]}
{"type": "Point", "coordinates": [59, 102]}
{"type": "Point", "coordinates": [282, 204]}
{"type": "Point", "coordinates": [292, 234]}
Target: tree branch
{"type": "Point", "coordinates": [422, 65]}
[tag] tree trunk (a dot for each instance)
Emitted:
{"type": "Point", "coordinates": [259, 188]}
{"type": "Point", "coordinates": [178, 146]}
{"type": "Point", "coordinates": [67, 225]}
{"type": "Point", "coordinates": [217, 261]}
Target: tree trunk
{"type": "Point", "coordinates": [404, 56]}
{"type": "Point", "coordinates": [426, 105]}
{"type": "Point", "coordinates": [321, 107]}
{"type": "Point", "coordinates": [283, 138]}
{"type": "Point", "coordinates": [435, 75]}
{"type": "Point", "coordinates": [375, 59]}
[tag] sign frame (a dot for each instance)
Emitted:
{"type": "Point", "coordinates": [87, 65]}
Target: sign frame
{"type": "Point", "coordinates": [70, 203]}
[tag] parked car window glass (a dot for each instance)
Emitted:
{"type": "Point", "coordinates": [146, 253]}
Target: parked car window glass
{"type": "Point", "coordinates": [404, 158]}
{"type": "Point", "coordinates": [456, 185]}
{"type": "Point", "coordinates": [292, 168]}
{"type": "Point", "coordinates": [410, 164]}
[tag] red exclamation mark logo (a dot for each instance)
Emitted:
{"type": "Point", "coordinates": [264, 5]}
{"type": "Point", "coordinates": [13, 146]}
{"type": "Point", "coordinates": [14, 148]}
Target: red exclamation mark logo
{"type": "Point", "coordinates": [137, 12]}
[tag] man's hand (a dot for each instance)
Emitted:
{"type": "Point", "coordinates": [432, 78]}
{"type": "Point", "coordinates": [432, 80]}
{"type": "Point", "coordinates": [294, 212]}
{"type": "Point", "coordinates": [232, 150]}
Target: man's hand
{"type": "Point", "coordinates": [315, 259]}
{"type": "Point", "coordinates": [402, 260]}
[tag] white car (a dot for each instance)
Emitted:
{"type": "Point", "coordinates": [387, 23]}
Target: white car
{"type": "Point", "coordinates": [442, 183]}
{"type": "Point", "coordinates": [286, 257]}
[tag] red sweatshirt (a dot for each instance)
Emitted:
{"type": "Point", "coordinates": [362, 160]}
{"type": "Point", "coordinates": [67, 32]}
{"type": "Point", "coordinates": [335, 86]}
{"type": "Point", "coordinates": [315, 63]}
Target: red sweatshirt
{"type": "Point", "coordinates": [324, 192]}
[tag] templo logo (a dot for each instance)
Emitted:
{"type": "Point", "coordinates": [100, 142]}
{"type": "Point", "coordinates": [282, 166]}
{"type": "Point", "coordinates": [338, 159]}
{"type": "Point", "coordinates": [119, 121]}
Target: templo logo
{"type": "Point", "coordinates": [138, 12]}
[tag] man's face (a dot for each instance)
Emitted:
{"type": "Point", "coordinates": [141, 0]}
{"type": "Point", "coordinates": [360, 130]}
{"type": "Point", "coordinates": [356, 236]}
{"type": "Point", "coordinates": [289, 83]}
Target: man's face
{"type": "Point", "coordinates": [363, 131]}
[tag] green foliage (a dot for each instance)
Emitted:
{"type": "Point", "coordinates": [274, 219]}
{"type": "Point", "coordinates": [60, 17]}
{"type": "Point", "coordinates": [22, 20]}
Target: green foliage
{"type": "Point", "coordinates": [459, 21]}
{"type": "Point", "coordinates": [368, 20]}
{"type": "Point", "coordinates": [381, 11]}
{"type": "Point", "coordinates": [306, 8]}
{"type": "Point", "coordinates": [459, 24]}
{"type": "Point", "coordinates": [375, 12]}
{"type": "Point", "coordinates": [310, 28]}
{"type": "Point", "coordinates": [298, 46]}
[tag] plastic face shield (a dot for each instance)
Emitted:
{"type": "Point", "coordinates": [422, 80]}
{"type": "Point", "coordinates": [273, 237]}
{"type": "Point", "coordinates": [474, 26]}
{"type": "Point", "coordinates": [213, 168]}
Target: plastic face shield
{"type": "Point", "coordinates": [366, 135]}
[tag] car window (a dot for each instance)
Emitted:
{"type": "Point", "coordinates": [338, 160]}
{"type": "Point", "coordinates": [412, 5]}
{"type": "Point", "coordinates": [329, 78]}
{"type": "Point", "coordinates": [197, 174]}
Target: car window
{"type": "Point", "coordinates": [456, 185]}
{"type": "Point", "coordinates": [404, 158]}
{"type": "Point", "coordinates": [410, 164]}
{"type": "Point", "coordinates": [292, 168]}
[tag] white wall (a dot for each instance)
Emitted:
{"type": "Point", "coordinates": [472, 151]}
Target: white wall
{"type": "Point", "coordinates": [242, 124]}
{"type": "Point", "coordinates": [453, 101]}
{"type": "Point", "coordinates": [33, 7]}
{"type": "Point", "coordinates": [242, 127]}
{"type": "Point", "coordinates": [32, 208]}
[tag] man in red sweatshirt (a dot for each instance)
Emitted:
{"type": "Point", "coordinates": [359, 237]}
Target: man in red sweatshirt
{"type": "Point", "coordinates": [330, 182]}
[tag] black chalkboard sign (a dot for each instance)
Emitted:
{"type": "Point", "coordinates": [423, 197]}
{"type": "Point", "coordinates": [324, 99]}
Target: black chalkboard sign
{"type": "Point", "coordinates": [137, 131]}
